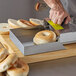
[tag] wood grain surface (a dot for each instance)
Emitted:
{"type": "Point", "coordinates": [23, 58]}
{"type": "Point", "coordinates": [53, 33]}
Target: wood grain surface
{"type": "Point", "coordinates": [70, 51]}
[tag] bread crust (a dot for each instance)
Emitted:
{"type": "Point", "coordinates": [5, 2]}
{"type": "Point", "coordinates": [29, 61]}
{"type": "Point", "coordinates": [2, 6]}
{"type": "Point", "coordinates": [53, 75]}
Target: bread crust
{"type": "Point", "coordinates": [4, 29]}
{"type": "Point", "coordinates": [21, 69]}
{"type": "Point", "coordinates": [8, 62]}
{"type": "Point", "coordinates": [44, 36]}
{"type": "Point", "coordinates": [26, 24]}
{"type": "Point", "coordinates": [4, 33]}
{"type": "Point", "coordinates": [3, 54]}
{"type": "Point", "coordinates": [36, 22]}
{"type": "Point", "coordinates": [13, 23]}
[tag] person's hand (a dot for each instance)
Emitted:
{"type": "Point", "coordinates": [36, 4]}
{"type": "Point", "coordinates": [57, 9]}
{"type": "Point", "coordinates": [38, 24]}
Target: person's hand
{"type": "Point", "coordinates": [57, 14]}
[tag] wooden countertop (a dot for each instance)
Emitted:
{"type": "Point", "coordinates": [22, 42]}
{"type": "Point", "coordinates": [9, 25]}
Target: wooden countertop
{"type": "Point", "coordinates": [70, 51]}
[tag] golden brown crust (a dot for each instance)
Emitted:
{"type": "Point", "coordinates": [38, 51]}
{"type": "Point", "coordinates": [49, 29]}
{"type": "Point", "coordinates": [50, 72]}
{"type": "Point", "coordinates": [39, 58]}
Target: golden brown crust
{"type": "Point", "coordinates": [33, 23]}
{"type": "Point", "coordinates": [4, 33]}
{"type": "Point", "coordinates": [21, 69]}
{"type": "Point", "coordinates": [4, 29]}
{"type": "Point", "coordinates": [15, 26]}
{"type": "Point", "coordinates": [28, 23]}
{"type": "Point", "coordinates": [36, 22]}
{"type": "Point", "coordinates": [42, 35]}
{"type": "Point", "coordinates": [3, 54]}
{"type": "Point", "coordinates": [8, 62]}
{"type": "Point", "coordinates": [13, 23]}
{"type": "Point", "coordinates": [45, 36]}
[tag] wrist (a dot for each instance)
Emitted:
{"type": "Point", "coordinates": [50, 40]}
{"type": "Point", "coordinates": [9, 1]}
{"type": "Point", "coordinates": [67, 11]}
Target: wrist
{"type": "Point", "coordinates": [54, 4]}
{"type": "Point", "coordinates": [57, 6]}
{"type": "Point", "coordinates": [50, 3]}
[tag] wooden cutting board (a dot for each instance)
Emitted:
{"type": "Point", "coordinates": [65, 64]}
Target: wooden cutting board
{"type": "Point", "coordinates": [70, 51]}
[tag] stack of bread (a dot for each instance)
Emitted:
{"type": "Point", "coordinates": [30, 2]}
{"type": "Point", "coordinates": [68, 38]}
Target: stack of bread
{"type": "Point", "coordinates": [12, 65]}
{"type": "Point", "coordinates": [41, 37]}
{"type": "Point", "coordinates": [21, 23]}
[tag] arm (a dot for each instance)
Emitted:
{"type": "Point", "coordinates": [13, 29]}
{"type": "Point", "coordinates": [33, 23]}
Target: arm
{"type": "Point", "coordinates": [57, 12]}
{"type": "Point", "coordinates": [53, 3]}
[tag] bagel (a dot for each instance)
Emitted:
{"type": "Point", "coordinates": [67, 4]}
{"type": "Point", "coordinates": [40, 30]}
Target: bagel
{"type": "Point", "coordinates": [26, 24]}
{"type": "Point", "coordinates": [13, 23]}
{"type": "Point", "coordinates": [3, 54]}
{"type": "Point", "coordinates": [4, 28]}
{"type": "Point", "coordinates": [21, 69]}
{"type": "Point", "coordinates": [44, 36]}
{"type": "Point", "coordinates": [36, 21]}
{"type": "Point", "coordinates": [8, 62]}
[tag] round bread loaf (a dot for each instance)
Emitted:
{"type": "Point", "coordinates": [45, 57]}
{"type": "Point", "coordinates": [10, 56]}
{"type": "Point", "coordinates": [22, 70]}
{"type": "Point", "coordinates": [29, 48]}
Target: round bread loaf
{"type": "Point", "coordinates": [26, 24]}
{"type": "Point", "coordinates": [36, 21]}
{"type": "Point", "coordinates": [4, 28]}
{"type": "Point", "coordinates": [8, 62]}
{"type": "Point", "coordinates": [20, 69]}
{"type": "Point", "coordinates": [45, 36]}
{"type": "Point", "coordinates": [13, 23]}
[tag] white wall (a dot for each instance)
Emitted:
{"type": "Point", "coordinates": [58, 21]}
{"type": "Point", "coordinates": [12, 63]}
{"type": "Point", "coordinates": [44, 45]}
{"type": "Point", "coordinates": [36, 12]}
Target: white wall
{"type": "Point", "coordinates": [19, 9]}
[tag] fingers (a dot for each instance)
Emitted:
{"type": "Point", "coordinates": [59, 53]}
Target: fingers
{"type": "Point", "coordinates": [55, 20]}
{"type": "Point", "coordinates": [58, 16]}
{"type": "Point", "coordinates": [54, 15]}
{"type": "Point", "coordinates": [68, 20]}
{"type": "Point", "coordinates": [61, 18]}
{"type": "Point", "coordinates": [51, 14]}
{"type": "Point", "coordinates": [59, 21]}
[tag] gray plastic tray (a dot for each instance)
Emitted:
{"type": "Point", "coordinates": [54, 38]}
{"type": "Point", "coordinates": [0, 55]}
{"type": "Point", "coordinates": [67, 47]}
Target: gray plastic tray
{"type": "Point", "coordinates": [23, 39]}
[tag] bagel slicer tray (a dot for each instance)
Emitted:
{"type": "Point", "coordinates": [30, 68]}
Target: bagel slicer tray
{"type": "Point", "coordinates": [66, 35]}
{"type": "Point", "coordinates": [69, 35]}
{"type": "Point", "coordinates": [23, 39]}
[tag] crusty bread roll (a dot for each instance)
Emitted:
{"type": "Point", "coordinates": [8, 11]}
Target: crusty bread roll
{"type": "Point", "coordinates": [3, 54]}
{"type": "Point", "coordinates": [8, 62]}
{"type": "Point", "coordinates": [26, 24]}
{"type": "Point", "coordinates": [4, 28]}
{"type": "Point", "coordinates": [36, 21]}
{"type": "Point", "coordinates": [44, 36]}
{"type": "Point", "coordinates": [13, 23]}
{"type": "Point", "coordinates": [21, 69]}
